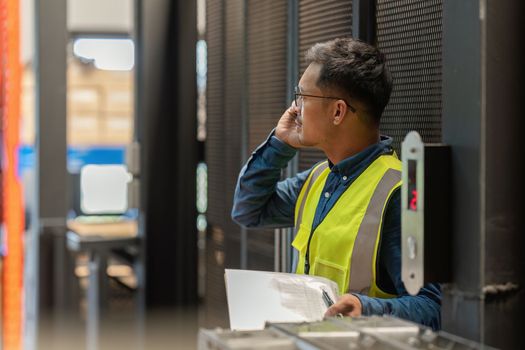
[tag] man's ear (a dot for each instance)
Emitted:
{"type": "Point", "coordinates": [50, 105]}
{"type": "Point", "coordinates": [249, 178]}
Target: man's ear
{"type": "Point", "coordinates": [340, 112]}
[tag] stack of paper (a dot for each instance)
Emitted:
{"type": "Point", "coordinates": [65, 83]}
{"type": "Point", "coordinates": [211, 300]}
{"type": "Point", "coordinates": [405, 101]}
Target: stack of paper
{"type": "Point", "coordinates": [255, 297]}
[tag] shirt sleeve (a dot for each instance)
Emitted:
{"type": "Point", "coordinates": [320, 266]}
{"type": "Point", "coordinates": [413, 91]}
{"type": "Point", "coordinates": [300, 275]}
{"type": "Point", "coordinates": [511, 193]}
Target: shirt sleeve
{"type": "Point", "coordinates": [423, 308]}
{"type": "Point", "coordinates": [260, 199]}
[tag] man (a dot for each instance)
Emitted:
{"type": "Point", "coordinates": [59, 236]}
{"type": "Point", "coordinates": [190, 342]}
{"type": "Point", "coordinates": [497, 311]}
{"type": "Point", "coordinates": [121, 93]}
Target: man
{"type": "Point", "coordinates": [346, 210]}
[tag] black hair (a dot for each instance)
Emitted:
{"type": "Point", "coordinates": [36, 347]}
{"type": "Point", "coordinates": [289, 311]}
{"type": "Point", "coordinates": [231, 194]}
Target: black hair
{"type": "Point", "coordinates": [355, 68]}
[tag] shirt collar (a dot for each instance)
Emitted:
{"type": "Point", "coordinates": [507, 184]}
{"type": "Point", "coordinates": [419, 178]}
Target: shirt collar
{"type": "Point", "coordinates": [352, 164]}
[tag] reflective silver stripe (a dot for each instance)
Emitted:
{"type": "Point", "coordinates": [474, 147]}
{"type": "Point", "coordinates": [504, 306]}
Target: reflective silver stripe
{"type": "Point", "coordinates": [362, 260]}
{"type": "Point", "coordinates": [313, 177]}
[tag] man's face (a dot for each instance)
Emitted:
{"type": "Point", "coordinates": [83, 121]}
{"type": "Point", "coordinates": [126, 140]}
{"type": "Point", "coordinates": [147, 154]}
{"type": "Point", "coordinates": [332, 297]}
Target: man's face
{"type": "Point", "coordinates": [313, 126]}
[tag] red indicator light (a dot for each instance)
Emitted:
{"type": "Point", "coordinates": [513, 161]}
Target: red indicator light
{"type": "Point", "coordinates": [412, 185]}
{"type": "Point", "coordinates": [413, 200]}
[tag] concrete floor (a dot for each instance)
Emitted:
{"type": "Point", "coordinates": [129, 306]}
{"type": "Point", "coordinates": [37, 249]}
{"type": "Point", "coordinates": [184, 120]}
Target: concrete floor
{"type": "Point", "coordinates": [160, 330]}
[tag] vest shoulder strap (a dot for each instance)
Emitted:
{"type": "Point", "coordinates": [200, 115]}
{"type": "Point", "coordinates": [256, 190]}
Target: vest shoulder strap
{"type": "Point", "coordinates": [362, 260]}
{"type": "Point", "coordinates": [314, 175]}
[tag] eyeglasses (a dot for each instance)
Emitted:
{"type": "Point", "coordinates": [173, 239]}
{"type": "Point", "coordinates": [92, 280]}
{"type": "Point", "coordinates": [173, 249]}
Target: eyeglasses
{"type": "Point", "coordinates": [299, 100]}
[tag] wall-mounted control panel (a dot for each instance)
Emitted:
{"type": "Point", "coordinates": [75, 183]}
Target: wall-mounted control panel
{"type": "Point", "coordinates": [426, 239]}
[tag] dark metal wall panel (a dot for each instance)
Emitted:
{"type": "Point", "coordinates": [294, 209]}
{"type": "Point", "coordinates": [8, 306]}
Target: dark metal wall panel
{"type": "Point", "coordinates": [409, 34]}
{"type": "Point", "coordinates": [320, 20]}
{"type": "Point", "coordinates": [266, 60]}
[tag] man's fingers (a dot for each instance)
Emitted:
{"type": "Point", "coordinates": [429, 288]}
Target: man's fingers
{"type": "Point", "coordinates": [331, 311]}
{"type": "Point", "coordinates": [292, 111]}
{"type": "Point", "coordinates": [347, 305]}
{"type": "Point", "coordinates": [339, 308]}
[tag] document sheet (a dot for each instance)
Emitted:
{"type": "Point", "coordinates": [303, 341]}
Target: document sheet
{"type": "Point", "coordinates": [255, 297]}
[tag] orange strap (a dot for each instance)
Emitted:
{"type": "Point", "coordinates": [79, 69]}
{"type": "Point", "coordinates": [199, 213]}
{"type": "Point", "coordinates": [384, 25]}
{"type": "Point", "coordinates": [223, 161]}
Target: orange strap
{"type": "Point", "coordinates": [12, 205]}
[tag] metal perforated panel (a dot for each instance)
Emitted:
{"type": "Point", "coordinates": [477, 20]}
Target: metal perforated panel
{"type": "Point", "coordinates": [267, 26]}
{"type": "Point", "coordinates": [226, 76]}
{"type": "Point", "coordinates": [409, 34]}
{"type": "Point", "coordinates": [215, 310]}
{"type": "Point", "coordinates": [320, 20]}
{"type": "Point", "coordinates": [234, 95]}
{"type": "Point", "coordinates": [266, 59]}
{"type": "Point", "coordinates": [215, 146]}
{"type": "Point", "coordinates": [261, 250]}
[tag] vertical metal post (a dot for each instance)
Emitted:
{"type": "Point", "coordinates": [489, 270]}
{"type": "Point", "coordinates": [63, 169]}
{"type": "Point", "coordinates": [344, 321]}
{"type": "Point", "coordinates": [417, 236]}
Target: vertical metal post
{"type": "Point", "coordinates": [485, 302]}
{"type": "Point", "coordinates": [364, 20]}
{"type": "Point", "coordinates": [168, 88]}
{"type": "Point", "coordinates": [284, 250]}
{"type": "Point", "coordinates": [292, 58]}
{"type": "Point", "coordinates": [149, 26]}
{"type": "Point", "coordinates": [50, 195]}
{"type": "Point", "coordinates": [277, 250]}
{"type": "Point", "coordinates": [503, 124]}
{"type": "Point", "coordinates": [96, 272]}
{"type": "Point", "coordinates": [138, 137]}
{"type": "Point", "coordinates": [245, 127]}
{"type": "Point", "coordinates": [462, 129]}
{"type": "Point", "coordinates": [51, 89]}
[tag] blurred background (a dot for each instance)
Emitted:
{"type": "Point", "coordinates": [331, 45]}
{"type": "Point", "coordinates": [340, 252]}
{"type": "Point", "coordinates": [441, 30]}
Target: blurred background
{"type": "Point", "coordinates": [124, 124]}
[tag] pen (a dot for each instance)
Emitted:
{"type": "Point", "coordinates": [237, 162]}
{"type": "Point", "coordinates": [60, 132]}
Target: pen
{"type": "Point", "coordinates": [329, 302]}
{"type": "Point", "coordinates": [326, 298]}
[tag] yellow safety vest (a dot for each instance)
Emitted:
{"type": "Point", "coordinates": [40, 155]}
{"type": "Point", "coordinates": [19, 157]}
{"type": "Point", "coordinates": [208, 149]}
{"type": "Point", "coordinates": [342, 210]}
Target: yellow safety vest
{"type": "Point", "coordinates": [344, 246]}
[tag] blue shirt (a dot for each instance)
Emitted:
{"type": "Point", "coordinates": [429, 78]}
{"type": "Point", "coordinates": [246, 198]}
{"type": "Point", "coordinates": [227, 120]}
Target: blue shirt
{"type": "Point", "coordinates": [262, 200]}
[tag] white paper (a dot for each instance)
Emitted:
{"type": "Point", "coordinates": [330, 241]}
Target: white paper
{"type": "Point", "coordinates": [255, 297]}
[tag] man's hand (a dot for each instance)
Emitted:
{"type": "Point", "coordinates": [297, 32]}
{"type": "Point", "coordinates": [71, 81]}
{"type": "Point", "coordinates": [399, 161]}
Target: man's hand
{"type": "Point", "coordinates": [347, 305]}
{"type": "Point", "coordinates": [287, 127]}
